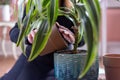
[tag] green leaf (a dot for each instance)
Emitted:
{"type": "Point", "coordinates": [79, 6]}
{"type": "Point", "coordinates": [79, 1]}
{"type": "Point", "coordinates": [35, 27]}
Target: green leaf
{"type": "Point", "coordinates": [23, 30]}
{"type": "Point", "coordinates": [40, 40]}
{"type": "Point", "coordinates": [53, 12]}
{"type": "Point", "coordinates": [28, 6]}
{"type": "Point", "coordinates": [45, 3]}
{"type": "Point", "coordinates": [23, 46]}
{"type": "Point", "coordinates": [73, 1]}
{"type": "Point", "coordinates": [88, 6]}
{"type": "Point", "coordinates": [89, 40]}
{"type": "Point", "coordinates": [98, 10]}
{"type": "Point", "coordinates": [21, 35]}
{"type": "Point", "coordinates": [25, 27]}
{"type": "Point", "coordinates": [38, 5]}
{"type": "Point", "coordinates": [81, 11]}
{"type": "Point", "coordinates": [91, 33]}
{"type": "Point", "coordinates": [20, 12]}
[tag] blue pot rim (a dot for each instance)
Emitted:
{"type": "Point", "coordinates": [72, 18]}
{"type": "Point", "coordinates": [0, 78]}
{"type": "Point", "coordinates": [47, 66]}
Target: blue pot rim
{"type": "Point", "coordinates": [70, 51]}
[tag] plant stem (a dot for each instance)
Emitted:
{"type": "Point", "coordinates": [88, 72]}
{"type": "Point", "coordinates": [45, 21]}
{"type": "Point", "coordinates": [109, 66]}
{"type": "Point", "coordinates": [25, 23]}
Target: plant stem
{"type": "Point", "coordinates": [76, 38]}
{"type": "Point", "coordinates": [75, 44]}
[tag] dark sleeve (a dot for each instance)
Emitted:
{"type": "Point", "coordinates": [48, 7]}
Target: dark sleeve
{"type": "Point", "coordinates": [14, 32]}
{"type": "Point", "coordinates": [62, 20]}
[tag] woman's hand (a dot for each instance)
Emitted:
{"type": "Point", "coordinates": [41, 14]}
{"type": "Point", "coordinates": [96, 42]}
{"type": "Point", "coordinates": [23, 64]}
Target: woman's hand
{"type": "Point", "coordinates": [67, 34]}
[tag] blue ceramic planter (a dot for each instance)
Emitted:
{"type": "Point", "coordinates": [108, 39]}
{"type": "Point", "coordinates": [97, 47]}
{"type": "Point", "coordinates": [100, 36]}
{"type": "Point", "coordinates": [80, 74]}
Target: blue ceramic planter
{"type": "Point", "coordinates": [69, 66]}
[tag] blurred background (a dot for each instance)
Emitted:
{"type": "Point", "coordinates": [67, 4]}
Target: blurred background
{"type": "Point", "coordinates": [109, 34]}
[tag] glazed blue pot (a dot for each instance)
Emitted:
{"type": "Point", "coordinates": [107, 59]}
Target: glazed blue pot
{"type": "Point", "coordinates": [69, 66]}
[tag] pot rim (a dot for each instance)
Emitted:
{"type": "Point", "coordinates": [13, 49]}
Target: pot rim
{"type": "Point", "coordinates": [111, 60]}
{"type": "Point", "coordinates": [71, 51]}
{"type": "Point", "coordinates": [112, 56]}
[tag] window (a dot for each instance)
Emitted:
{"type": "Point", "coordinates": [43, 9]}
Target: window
{"type": "Point", "coordinates": [113, 3]}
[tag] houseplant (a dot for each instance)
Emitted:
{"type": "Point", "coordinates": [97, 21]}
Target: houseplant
{"type": "Point", "coordinates": [85, 15]}
{"type": "Point", "coordinates": [5, 10]}
{"type": "Point", "coordinates": [68, 64]}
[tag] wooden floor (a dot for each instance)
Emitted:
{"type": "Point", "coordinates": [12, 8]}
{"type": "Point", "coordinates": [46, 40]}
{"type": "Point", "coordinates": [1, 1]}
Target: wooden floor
{"type": "Point", "coordinates": [6, 64]}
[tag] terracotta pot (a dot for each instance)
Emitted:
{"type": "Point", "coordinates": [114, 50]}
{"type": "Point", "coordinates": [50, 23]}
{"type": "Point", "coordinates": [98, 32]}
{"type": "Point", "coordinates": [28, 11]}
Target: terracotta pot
{"type": "Point", "coordinates": [112, 66]}
{"type": "Point", "coordinates": [55, 42]}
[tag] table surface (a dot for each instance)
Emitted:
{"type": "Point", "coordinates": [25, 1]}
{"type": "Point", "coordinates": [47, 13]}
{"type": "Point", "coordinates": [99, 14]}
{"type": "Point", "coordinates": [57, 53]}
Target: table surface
{"type": "Point", "coordinates": [10, 23]}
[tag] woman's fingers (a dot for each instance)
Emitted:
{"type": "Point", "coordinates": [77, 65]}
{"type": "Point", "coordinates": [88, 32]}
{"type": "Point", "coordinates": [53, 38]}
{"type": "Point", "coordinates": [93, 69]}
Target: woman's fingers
{"type": "Point", "coordinates": [32, 35]}
{"type": "Point", "coordinates": [68, 35]}
{"type": "Point", "coordinates": [30, 38]}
